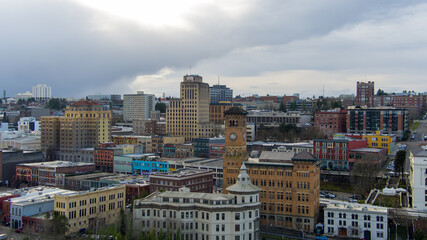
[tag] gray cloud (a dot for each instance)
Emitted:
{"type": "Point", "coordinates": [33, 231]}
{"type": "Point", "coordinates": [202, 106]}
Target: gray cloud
{"type": "Point", "coordinates": [278, 47]}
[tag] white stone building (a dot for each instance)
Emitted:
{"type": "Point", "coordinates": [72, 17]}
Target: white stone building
{"type": "Point", "coordinates": [355, 221]}
{"type": "Point", "coordinates": [418, 178]}
{"type": "Point", "coordinates": [42, 92]}
{"type": "Point", "coordinates": [202, 216]}
{"type": "Point", "coordinates": [138, 106]}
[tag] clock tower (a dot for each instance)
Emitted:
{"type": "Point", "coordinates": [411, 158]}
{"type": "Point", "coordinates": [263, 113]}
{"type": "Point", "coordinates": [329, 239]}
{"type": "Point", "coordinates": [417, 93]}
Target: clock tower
{"type": "Point", "coordinates": [235, 145]}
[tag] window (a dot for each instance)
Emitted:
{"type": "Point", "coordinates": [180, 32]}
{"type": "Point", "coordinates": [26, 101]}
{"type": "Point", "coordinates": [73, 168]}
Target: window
{"type": "Point", "coordinates": [237, 228]}
{"type": "Point", "coordinates": [237, 216]}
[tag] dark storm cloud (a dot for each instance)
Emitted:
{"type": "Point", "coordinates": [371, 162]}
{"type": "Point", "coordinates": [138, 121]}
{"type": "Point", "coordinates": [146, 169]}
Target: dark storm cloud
{"type": "Point", "coordinates": [79, 51]}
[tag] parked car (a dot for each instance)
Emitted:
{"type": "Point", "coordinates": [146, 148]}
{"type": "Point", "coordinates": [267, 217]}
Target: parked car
{"type": "Point", "coordinates": [330, 195]}
{"type": "Point", "coordinates": [322, 195]}
{"type": "Point", "coordinates": [352, 200]}
{"type": "Point", "coordinates": [321, 238]}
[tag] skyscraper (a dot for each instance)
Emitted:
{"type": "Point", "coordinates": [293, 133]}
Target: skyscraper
{"type": "Point", "coordinates": [138, 106]}
{"type": "Point", "coordinates": [221, 93]}
{"type": "Point", "coordinates": [188, 116]}
{"type": "Point", "coordinates": [42, 92]}
{"type": "Point", "coordinates": [84, 125]}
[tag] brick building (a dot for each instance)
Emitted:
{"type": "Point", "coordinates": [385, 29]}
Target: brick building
{"type": "Point", "coordinates": [194, 179]}
{"type": "Point", "coordinates": [330, 122]}
{"type": "Point", "coordinates": [45, 173]}
{"type": "Point", "coordinates": [365, 94]}
{"type": "Point", "coordinates": [334, 153]}
{"type": "Point", "coordinates": [290, 184]}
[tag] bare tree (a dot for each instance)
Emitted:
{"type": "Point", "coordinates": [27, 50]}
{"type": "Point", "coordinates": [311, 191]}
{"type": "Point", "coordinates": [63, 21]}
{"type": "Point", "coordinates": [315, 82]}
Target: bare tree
{"type": "Point", "coordinates": [363, 177]}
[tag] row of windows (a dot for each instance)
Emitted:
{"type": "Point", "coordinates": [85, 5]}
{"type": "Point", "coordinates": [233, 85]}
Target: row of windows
{"type": "Point", "coordinates": [355, 216]}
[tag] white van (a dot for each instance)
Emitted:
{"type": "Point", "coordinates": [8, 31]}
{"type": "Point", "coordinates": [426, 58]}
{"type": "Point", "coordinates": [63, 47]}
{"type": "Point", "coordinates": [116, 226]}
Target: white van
{"type": "Point", "coordinates": [3, 236]}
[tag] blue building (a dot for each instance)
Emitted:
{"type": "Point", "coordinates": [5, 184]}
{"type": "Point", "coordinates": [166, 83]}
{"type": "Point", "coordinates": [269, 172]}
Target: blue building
{"type": "Point", "coordinates": [221, 93]}
{"type": "Point", "coordinates": [141, 164]}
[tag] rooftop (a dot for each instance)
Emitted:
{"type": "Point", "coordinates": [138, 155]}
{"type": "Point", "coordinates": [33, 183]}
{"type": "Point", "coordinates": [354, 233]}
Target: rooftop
{"type": "Point", "coordinates": [85, 103]}
{"type": "Point", "coordinates": [269, 156]}
{"type": "Point", "coordinates": [236, 110]}
{"type": "Point", "coordinates": [372, 150]}
{"type": "Point", "coordinates": [56, 164]}
{"type": "Point", "coordinates": [356, 207]}
{"type": "Point", "coordinates": [183, 172]}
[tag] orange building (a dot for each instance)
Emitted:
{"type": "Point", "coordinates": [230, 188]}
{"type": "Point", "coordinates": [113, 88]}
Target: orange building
{"type": "Point", "coordinates": [290, 185]}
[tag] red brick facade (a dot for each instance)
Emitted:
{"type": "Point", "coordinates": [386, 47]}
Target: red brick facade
{"type": "Point", "coordinates": [329, 123]}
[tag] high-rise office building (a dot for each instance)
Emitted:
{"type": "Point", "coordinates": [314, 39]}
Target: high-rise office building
{"type": "Point", "coordinates": [84, 125]}
{"type": "Point", "coordinates": [138, 106]}
{"type": "Point", "coordinates": [42, 92]}
{"type": "Point", "coordinates": [365, 94]}
{"type": "Point", "coordinates": [188, 116]}
{"type": "Point", "coordinates": [221, 93]}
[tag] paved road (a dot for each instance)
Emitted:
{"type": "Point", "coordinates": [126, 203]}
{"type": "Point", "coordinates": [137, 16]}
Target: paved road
{"type": "Point", "coordinates": [412, 145]}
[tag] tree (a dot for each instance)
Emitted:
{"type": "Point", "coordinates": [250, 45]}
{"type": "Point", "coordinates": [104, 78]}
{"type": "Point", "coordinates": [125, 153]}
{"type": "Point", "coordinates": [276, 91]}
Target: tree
{"type": "Point", "coordinates": [293, 106]}
{"type": "Point", "coordinates": [381, 92]}
{"type": "Point", "coordinates": [399, 164]}
{"type": "Point", "coordinates": [418, 234]}
{"type": "Point", "coordinates": [122, 222]}
{"type": "Point", "coordinates": [59, 223]}
{"type": "Point", "coordinates": [160, 107]}
{"type": "Point", "coordinates": [363, 177]}
{"type": "Point", "coordinates": [57, 103]}
{"type": "Point", "coordinates": [282, 107]}
{"type": "Point", "coordinates": [304, 105]}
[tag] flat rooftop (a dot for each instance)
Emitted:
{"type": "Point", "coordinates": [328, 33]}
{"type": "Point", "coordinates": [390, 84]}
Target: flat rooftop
{"type": "Point", "coordinates": [56, 164]}
{"type": "Point", "coordinates": [372, 150]}
{"type": "Point", "coordinates": [183, 172]}
{"type": "Point", "coordinates": [356, 207]}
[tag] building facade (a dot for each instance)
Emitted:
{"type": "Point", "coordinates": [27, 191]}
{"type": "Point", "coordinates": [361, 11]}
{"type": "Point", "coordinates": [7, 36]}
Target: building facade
{"type": "Point", "coordinates": [91, 209]}
{"type": "Point", "coordinates": [289, 187]}
{"type": "Point", "coordinates": [334, 153]}
{"type": "Point", "coordinates": [356, 221]}
{"type": "Point", "coordinates": [45, 173]}
{"type": "Point", "coordinates": [186, 115]}
{"type": "Point", "coordinates": [138, 106]}
{"type": "Point", "coordinates": [418, 178]}
{"type": "Point", "coordinates": [194, 179]}
{"type": "Point", "coordinates": [330, 122]}
{"type": "Point", "coordinates": [365, 94]}
{"type": "Point", "coordinates": [202, 215]}
{"type": "Point", "coordinates": [385, 119]}
{"type": "Point", "coordinates": [42, 92]}
{"type": "Point", "coordinates": [221, 93]}
{"type": "Point", "coordinates": [274, 119]}
{"type": "Point", "coordinates": [84, 125]}
{"type": "Point", "coordinates": [289, 190]}
{"type": "Point", "coordinates": [216, 111]}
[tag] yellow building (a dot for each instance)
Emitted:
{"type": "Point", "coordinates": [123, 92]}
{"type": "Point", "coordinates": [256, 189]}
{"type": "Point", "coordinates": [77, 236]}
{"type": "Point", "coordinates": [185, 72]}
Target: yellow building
{"type": "Point", "coordinates": [84, 125]}
{"type": "Point", "coordinates": [289, 182]}
{"type": "Point", "coordinates": [187, 115]}
{"type": "Point", "coordinates": [379, 140]}
{"type": "Point", "coordinates": [91, 209]}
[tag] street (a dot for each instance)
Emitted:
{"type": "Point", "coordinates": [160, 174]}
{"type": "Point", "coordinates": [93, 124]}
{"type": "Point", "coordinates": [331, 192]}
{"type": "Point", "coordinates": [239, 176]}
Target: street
{"type": "Point", "coordinates": [412, 145]}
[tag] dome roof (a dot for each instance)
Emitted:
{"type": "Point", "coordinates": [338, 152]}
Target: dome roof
{"type": "Point", "coordinates": [243, 184]}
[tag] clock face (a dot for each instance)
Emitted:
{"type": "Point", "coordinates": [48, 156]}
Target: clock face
{"type": "Point", "coordinates": [233, 136]}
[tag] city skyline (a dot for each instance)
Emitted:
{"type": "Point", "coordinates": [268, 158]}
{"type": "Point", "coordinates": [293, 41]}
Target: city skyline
{"type": "Point", "coordinates": [84, 47]}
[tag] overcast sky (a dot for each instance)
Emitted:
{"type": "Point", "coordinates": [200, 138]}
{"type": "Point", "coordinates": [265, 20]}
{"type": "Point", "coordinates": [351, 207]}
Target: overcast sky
{"type": "Point", "coordinates": [81, 47]}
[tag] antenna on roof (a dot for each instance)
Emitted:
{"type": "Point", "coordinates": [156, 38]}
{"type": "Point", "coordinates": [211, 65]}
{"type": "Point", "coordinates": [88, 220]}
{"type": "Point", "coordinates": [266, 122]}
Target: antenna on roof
{"type": "Point", "coordinates": [218, 79]}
